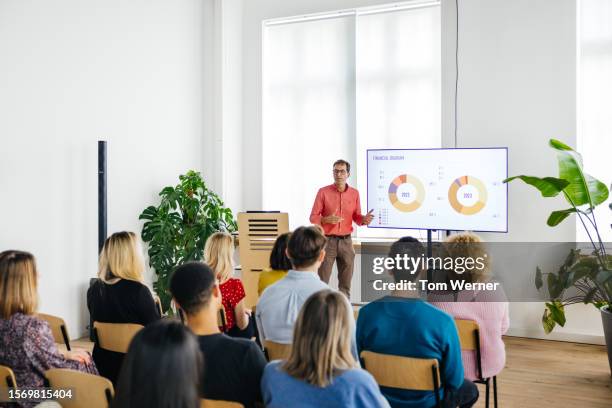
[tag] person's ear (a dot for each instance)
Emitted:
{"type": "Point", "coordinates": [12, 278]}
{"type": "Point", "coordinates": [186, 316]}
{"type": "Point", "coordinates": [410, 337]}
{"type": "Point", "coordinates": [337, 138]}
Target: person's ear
{"type": "Point", "coordinates": [287, 253]}
{"type": "Point", "coordinates": [321, 256]}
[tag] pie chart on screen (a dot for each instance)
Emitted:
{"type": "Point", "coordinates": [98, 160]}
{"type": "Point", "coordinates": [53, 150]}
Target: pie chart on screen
{"type": "Point", "coordinates": [406, 193]}
{"type": "Point", "coordinates": [467, 195]}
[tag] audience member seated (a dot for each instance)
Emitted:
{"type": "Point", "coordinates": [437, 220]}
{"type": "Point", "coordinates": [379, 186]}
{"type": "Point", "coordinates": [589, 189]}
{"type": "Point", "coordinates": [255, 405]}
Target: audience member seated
{"type": "Point", "coordinates": [232, 366]}
{"type": "Point", "coordinates": [279, 305]}
{"type": "Point", "coordinates": [119, 296]}
{"type": "Point", "coordinates": [321, 370]}
{"type": "Point", "coordinates": [26, 342]}
{"type": "Point", "coordinates": [162, 368]}
{"type": "Point", "coordinates": [218, 255]}
{"type": "Point", "coordinates": [402, 324]}
{"type": "Point", "coordinates": [279, 264]}
{"type": "Point", "coordinates": [487, 308]}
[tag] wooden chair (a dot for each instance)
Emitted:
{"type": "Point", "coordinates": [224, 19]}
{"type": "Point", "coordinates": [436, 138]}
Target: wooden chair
{"type": "Point", "coordinates": [417, 374]}
{"type": "Point", "coordinates": [7, 381]}
{"type": "Point", "coordinates": [469, 337]}
{"type": "Point", "coordinates": [58, 328]}
{"type": "Point", "coordinates": [88, 390]}
{"type": "Point", "coordinates": [209, 403]}
{"type": "Point", "coordinates": [158, 304]}
{"type": "Point", "coordinates": [115, 336]}
{"type": "Point", "coordinates": [276, 351]}
{"type": "Point", "coordinates": [257, 232]}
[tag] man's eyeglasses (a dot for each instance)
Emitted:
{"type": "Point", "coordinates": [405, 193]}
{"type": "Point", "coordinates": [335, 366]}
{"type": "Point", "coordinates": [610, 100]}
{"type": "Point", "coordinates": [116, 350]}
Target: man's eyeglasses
{"type": "Point", "coordinates": [339, 171]}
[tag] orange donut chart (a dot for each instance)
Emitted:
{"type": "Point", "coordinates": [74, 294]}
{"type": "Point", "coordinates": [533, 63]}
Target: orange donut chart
{"type": "Point", "coordinates": [413, 204]}
{"type": "Point", "coordinates": [454, 189]}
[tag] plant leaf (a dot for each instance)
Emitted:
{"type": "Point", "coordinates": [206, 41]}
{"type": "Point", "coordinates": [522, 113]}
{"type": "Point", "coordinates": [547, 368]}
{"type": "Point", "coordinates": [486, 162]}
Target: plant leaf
{"type": "Point", "coordinates": [554, 289]}
{"type": "Point", "coordinates": [583, 189]}
{"type": "Point", "coordinates": [559, 145]}
{"type": "Point", "coordinates": [557, 312]}
{"type": "Point", "coordinates": [556, 217]}
{"type": "Point", "coordinates": [538, 278]}
{"type": "Point", "coordinates": [547, 322]}
{"type": "Point", "coordinates": [548, 186]}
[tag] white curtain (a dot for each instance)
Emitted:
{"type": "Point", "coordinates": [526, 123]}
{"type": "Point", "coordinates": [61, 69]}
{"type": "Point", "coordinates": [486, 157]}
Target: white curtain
{"type": "Point", "coordinates": [595, 101]}
{"type": "Point", "coordinates": [308, 111]}
{"type": "Point", "coordinates": [398, 87]}
{"type": "Point", "coordinates": [336, 86]}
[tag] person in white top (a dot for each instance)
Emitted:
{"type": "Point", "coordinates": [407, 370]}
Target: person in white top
{"type": "Point", "coordinates": [280, 303]}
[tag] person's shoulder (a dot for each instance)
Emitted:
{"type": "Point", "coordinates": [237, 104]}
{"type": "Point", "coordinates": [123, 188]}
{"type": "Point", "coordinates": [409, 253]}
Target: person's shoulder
{"type": "Point", "coordinates": [357, 378]}
{"type": "Point", "coordinates": [273, 369]}
{"type": "Point", "coordinates": [33, 325]}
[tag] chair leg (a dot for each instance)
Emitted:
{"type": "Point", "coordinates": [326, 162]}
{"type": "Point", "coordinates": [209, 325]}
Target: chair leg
{"type": "Point", "coordinates": [495, 391]}
{"type": "Point", "coordinates": [487, 392]}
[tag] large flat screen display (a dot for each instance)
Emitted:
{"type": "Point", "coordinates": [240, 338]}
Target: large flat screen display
{"type": "Point", "coordinates": [439, 189]}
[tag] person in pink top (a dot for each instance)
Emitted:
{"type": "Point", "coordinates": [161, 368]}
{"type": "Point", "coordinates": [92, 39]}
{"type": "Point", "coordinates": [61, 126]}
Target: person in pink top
{"type": "Point", "coordinates": [335, 209]}
{"type": "Point", "coordinates": [487, 308]}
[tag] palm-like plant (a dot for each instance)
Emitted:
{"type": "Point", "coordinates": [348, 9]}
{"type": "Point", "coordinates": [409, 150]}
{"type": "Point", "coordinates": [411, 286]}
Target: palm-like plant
{"type": "Point", "coordinates": [590, 274]}
{"type": "Point", "coordinates": [177, 229]}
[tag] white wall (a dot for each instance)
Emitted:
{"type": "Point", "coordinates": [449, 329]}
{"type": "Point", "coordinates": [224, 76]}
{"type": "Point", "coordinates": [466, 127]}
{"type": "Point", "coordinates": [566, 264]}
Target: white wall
{"type": "Point", "coordinates": [517, 88]}
{"type": "Point", "coordinates": [73, 72]}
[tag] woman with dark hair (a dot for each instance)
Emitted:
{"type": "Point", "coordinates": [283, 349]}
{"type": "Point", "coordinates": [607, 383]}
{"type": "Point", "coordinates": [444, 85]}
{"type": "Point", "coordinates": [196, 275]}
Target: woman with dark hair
{"type": "Point", "coordinates": [279, 264]}
{"type": "Point", "coordinates": [161, 369]}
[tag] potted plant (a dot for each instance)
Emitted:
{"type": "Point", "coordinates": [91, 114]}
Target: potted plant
{"type": "Point", "coordinates": [582, 278]}
{"type": "Point", "coordinates": [177, 229]}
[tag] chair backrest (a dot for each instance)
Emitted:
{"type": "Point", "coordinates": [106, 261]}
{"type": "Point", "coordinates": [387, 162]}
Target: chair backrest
{"type": "Point", "coordinates": [88, 390]}
{"type": "Point", "coordinates": [209, 403]}
{"type": "Point", "coordinates": [469, 338]}
{"type": "Point", "coordinates": [58, 328]}
{"type": "Point", "coordinates": [276, 351]}
{"type": "Point", "coordinates": [468, 331]}
{"type": "Point", "coordinates": [158, 304]}
{"type": "Point", "coordinates": [115, 336]}
{"type": "Point", "coordinates": [418, 374]}
{"type": "Point", "coordinates": [222, 319]}
{"type": "Point", "coordinates": [257, 233]}
{"type": "Point", "coordinates": [7, 380]}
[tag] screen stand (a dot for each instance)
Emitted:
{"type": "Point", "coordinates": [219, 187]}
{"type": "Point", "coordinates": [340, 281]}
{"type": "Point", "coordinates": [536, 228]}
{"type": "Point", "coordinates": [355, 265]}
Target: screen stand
{"type": "Point", "coordinates": [429, 255]}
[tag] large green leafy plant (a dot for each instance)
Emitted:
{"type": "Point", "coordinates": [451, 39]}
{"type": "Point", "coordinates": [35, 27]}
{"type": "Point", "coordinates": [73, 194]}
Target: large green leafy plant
{"type": "Point", "coordinates": [582, 278]}
{"type": "Point", "coordinates": [177, 229]}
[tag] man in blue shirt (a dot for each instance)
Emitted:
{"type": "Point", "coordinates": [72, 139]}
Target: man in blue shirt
{"type": "Point", "coordinates": [402, 324]}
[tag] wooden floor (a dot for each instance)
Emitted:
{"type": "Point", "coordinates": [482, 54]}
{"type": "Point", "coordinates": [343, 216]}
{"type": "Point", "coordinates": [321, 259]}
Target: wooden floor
{"type": "Point", "coordinates": [541, 374]}
{"type": "Point", "coordinates": [544, 373]}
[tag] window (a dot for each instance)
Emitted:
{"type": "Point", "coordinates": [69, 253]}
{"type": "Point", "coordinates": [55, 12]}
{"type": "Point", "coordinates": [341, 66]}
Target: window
{"type": "Point", "coordinates": [594, 101]}
{"type": "Point", "coordinates": [337, 84]}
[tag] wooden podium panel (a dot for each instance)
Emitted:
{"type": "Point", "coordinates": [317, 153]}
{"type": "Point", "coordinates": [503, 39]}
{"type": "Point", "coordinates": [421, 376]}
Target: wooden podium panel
{"type": "Point", "coordinates": [257, 232]}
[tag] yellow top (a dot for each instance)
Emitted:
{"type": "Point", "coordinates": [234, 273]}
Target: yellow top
{"type": "Point", "coordinates": [268, 277]}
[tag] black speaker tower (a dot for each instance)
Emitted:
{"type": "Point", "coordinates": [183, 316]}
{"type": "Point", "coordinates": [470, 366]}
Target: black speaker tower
{"type": "Point", "coordinates": [102, 216]}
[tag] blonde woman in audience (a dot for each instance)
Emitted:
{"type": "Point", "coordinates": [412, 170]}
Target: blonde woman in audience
{"type": "Point", "coordinates": [321, 370]}
{"type": "Point", "coordinates": [279, 264]}
{"type": "Point", "coordinates": [218, 253]}
{"type": "Point", "coordinates": [26, 342]}
{"type": "Point", "coordinates": [487, 308]}
{"type": "Point", "coordinates": [119, 295]}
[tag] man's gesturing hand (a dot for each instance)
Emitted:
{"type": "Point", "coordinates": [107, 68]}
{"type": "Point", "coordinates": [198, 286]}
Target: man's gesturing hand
{"type": "Point", "coordinates": [332, 219]}
{"type": "Point", "coordinates": [367, 219]}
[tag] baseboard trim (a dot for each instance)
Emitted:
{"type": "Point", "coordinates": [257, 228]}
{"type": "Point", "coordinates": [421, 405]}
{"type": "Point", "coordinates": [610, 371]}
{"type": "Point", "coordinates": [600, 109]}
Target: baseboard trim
{"type": "Point", "coordinates": [556, 336]}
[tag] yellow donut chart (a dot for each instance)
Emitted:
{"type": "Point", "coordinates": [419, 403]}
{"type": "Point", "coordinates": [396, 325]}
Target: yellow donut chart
{"type": "Point", "coordinates": [413, 204]}
{"type": "Point", "coordinates": [454, 189]}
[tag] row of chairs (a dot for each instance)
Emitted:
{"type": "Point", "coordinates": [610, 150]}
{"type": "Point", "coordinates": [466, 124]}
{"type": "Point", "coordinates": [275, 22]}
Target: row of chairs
{"type": "Point", "coordinates": [90, 390]}
{"type": "Point", "coordinates": [409, 373]}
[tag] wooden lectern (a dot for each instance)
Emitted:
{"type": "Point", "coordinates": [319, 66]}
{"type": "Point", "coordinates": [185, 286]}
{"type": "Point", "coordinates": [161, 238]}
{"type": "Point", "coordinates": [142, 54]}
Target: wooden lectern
{"type": "Point", "coordinates": [257, 232]}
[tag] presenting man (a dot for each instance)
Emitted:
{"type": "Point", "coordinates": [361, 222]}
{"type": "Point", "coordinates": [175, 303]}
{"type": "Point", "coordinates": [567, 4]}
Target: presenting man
{"type": "Point", "coordinates": [335, 208]}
